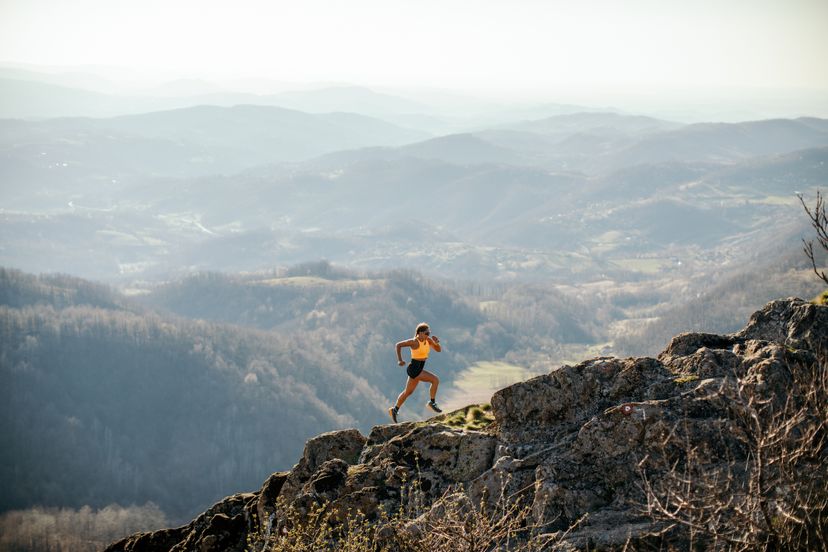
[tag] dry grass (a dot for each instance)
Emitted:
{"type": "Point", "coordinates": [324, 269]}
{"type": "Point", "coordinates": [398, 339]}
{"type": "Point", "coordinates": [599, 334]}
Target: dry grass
{"type": "Point", "coordinates": [452, 523]}
{"type": "Point", "coordinates": [476, 417]}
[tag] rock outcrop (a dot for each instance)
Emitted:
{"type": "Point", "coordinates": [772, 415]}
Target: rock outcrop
{"type": "Point", "coordinates": [574, 441]}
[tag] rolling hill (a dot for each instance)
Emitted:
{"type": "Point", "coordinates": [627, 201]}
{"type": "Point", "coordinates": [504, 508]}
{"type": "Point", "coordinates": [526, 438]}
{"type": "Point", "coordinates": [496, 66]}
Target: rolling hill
{"type": "Point", "coordinates": [134, 406]}
{"type": "Point", "coordinates": [207, 384]}
{"type": "Point", "coordinates": [188, 142]}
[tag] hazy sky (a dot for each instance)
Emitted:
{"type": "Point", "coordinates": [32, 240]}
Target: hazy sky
{"type": "Point", "coordinates": [463, 44]}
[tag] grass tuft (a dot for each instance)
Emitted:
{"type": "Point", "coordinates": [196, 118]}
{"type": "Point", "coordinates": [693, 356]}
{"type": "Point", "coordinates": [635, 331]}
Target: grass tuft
{"type": "Point", "coordinates": [474, 417]}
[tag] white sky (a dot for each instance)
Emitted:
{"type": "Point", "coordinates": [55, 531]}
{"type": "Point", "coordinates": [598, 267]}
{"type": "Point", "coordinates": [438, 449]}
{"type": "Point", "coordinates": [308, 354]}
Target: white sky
{"type": "Point", "coordinates": [518, 45]}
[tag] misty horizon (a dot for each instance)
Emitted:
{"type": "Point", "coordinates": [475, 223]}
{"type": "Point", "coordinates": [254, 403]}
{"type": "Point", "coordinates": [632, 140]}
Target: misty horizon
{"type": "Point", "coordinates": [689, 62]}
{"type": "Point", "coordinates": [686, 104]}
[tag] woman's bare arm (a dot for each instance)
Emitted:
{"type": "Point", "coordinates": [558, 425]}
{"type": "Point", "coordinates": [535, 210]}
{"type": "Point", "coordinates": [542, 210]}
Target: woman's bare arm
{"type": "Point", "coordinates": [435, 342]}
{"type": "Point", "coordinates": [407, 343]}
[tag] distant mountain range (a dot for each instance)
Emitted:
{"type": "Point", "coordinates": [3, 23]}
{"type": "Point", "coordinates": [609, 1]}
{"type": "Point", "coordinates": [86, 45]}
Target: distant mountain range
{"type": "Point", "coordinates": [47, 97]}
{"type": "Point", "coordinates": [467, 221]}
{"type": "Point", "coordinates": [34, 94]}
{"type": "Point", "coordinates": [252, 186]}
{"type": "Point", "coordinates": [599, 122]}
{"type": "Point", "coordinates": [600, 143]}
{"type": "Point", "coordinates": [194, 141]}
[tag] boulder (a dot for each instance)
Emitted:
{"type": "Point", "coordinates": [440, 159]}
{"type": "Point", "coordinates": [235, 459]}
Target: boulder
{"type": "Point", "coordinates": [549, 406]}
{"type": "Point", "coordinates": [223, 527]}
{"type": "Point", "coordinates": [345, 445]}
{"type": "Point", "coordinates": [164, 539]}
{"type": "Point", "coordinates": [791, 322]}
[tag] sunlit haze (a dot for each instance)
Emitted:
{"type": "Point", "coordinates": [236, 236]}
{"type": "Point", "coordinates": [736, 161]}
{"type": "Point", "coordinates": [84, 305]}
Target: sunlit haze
{"type": "Point", "coordinates": [518, 49]}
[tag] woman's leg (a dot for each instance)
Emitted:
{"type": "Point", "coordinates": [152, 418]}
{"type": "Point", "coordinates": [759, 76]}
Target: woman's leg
{"type": "Point", "coordinates": [425, 375]}
{"type": "Point", "coordinates": [410, 386]}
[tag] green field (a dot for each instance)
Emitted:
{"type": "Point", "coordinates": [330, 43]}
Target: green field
{"type": "Point", "coordinates": [777, 200]}
{"type": "Point", "coordinates": [477, 383]}
{"type": "Point", "coordinates": [487, 306]}
{"type": "Point", "coordinates": [315, 281]}
{"type": "Point", "coordinates": [646, 266]}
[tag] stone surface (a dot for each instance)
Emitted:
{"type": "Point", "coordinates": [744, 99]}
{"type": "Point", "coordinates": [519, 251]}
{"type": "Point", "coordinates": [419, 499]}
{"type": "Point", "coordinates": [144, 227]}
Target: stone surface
{"type": "Point", "coordinates": [572, 442]}
{"type": "Point", "coordinates": [792, 322]}
{"type": "Point", "coordinates": [345, 445]}
{"type": "Point", "coordinates": [546, 407]}
{"type": "Point", "coordinates": [266, 501]}
{"type": "Point", "coordinates": [224, 526]}
{"type": "Point", "coordinates": [164, 539]}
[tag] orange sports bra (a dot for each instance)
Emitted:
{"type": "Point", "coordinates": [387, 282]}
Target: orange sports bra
{"type": "Point", "coordinates": [421, 353]}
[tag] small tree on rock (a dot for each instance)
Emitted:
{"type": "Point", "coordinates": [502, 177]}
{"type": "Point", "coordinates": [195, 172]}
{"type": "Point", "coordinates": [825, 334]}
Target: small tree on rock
{"type": "Point", "coordinates": [819, 222]}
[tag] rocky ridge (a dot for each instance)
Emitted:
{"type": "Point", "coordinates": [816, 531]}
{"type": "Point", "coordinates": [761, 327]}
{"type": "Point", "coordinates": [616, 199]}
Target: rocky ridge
{"type": "Point", "coordinates": [573, 441]}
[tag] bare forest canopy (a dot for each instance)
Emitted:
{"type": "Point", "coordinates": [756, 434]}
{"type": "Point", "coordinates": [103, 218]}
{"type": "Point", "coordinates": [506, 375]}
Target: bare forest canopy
{"type": "Point", "coordinates": [79, 530]}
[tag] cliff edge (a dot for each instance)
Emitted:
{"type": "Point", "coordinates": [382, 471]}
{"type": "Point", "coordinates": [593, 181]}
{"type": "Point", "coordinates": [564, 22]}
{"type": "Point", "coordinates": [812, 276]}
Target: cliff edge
{"type": "Point", "coordinates": [596, 450]}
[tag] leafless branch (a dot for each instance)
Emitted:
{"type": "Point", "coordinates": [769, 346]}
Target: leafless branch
{"type": "Point", "coordinates": [773, 496]}
{"type": "Point", "coordinates": [819, 222]}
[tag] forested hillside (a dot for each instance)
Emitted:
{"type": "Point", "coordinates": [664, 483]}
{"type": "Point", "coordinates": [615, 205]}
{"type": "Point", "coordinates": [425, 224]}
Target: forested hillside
{"type": "Point", "coordinates": [358, 316]}
{"type": "Point", "coordinates": [718, 303]}
{"type": "Point", "coordinates": [137, 407]}
{"type": "Point", "coordinates": [180, 408]}
{"type": "Point", "coordinates": [352, 321]}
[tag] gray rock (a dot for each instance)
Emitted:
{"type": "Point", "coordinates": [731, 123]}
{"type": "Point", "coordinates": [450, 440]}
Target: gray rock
{"type": "Point", "coordinates": [223, 527]}
{"type": "Point", "coordinates": [345, 445]}
{"type": "Point", "coordinates": [546, 407]}
{"type": "Point", "coordinates": [266, 502]}
{"type": "Point", "coordinates": [792, 322]}
{"type": "Point", "coordinates": [688, 343]}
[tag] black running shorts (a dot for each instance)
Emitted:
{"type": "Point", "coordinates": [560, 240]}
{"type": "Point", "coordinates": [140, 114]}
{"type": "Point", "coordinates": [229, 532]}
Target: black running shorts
{"type": "Point", "coordinates": [415, 368]}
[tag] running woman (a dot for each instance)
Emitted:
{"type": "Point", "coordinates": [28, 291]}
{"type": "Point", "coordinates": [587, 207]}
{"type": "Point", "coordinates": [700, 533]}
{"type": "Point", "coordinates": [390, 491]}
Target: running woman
{"type": "Point", "coordinates": [420, 346]}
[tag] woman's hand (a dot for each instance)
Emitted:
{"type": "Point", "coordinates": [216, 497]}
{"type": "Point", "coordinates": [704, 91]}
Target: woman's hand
{"type": "Point", "coordinates": [435, 339]}
{"type": "Point", "coordinates": [401, 362]}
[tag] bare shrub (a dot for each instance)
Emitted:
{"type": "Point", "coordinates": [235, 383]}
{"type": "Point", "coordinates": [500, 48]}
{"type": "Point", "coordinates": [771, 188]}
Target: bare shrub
{"type": "Point", "coordinates": [819, 222]}
{"type": "Point", "coordinates": [765, 485]}
{"type": "Point", "coordinates": [321, 528]}
{"type": "Point", "coordinates": [453, 523]}
{"type": "Point", "coordinates": [456, 523]}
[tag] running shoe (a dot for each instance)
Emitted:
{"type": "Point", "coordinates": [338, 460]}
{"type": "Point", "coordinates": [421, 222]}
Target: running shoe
{"type": "Point", "coordinates": [393, 413]}
{"type": "Point", "coordinates": [433, 405]}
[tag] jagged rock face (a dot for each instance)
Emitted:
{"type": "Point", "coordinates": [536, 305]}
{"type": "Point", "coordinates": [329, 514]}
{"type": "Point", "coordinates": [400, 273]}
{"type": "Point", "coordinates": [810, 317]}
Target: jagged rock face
{"type": "Point", "coordinates": [345, 445]}
{"type": "Point", "coordinates": [793, 322]}
{"type": "Point", "coordinates": [223, 527]}
{"type": "Point", "coordinates": [548, 407]}
{"type": "Point", "coordinates": [573, 441]}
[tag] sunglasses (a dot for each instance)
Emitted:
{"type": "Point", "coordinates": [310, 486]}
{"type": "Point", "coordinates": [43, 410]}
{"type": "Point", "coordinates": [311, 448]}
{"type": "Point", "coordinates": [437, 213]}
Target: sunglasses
{"type": "Point", "coordinates": [426, 332]}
